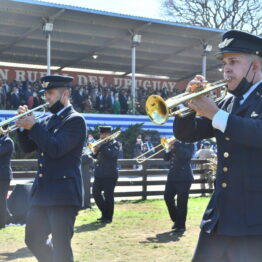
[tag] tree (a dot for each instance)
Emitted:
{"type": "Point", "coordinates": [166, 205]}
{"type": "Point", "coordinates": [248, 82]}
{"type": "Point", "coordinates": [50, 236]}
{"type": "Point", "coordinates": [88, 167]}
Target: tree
{"type": "Point", "coordinates": [220, 14]}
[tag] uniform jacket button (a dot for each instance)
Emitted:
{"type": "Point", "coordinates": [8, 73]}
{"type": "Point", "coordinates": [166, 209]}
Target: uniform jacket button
{"type": "Point", "coordinates": [41, 175]}
{"type": "Point", "coordinates": [226, 154]}
{"type": "Point", "coordinates": [225, 169]}
{"type": "Point", "coordinates": [224, 185]}
{"type": "Point", "coordinates": [227, 138]}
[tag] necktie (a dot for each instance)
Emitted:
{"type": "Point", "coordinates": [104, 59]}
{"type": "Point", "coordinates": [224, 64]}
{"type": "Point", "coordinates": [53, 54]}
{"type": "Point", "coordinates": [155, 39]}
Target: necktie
{"type": "Point", "coordinates": [236, 103]}
{"type": "Point", "coordinates": [52, 121]}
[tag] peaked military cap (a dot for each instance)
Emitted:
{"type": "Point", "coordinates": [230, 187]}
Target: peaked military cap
{"type": "Point", "coordinates": [105, 129]}
{"type": "Point", "coordinates": [235, 41]}
{"type": "Point", "coordinates": [55, 81]}
{"type": "Point", "coordinates": [206, 143]}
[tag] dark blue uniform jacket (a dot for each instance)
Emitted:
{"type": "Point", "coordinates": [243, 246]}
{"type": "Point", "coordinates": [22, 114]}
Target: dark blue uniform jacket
{"type": "Point", "coordinates": [236, 204]}
{"type": "Point", "coordinates": [59, 142]}
{"type": "Point", "coordinates": [180, 159]}
{"type": "Point", "coordinates": [6, 150]}
{"type": "Point", "coordinates": [106, 164]}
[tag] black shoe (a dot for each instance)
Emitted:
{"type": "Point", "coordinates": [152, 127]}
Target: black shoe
{"type": "Point", "coordinates": [100, 218]}
{"type": "Point", "coordinates": [179, 229]}
{"type": "Point", "coordinates": [106, 221]}
{"type": "Point", "coordinates": [174, 226]}
{"type": "Point", "coordinates": [9, 219]}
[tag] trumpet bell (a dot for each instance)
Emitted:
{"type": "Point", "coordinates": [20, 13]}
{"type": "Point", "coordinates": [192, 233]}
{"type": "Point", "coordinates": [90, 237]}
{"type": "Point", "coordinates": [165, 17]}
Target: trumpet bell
{"type": "Point", "coordinates": [166, 142]}
{"type": "Point", "coordinates": [157, 109]}
{"type": "Point", "coordinates": [113, 136]}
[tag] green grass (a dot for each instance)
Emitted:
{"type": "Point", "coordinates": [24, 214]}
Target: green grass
{"type": "Point", "coordinates": [140, 232]}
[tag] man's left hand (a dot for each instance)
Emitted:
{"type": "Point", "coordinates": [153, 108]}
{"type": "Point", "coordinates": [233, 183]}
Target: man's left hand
{"type": "Point", "coordinates": [204, 106]}
{"type": "Point", "coordinates": [26, 122]}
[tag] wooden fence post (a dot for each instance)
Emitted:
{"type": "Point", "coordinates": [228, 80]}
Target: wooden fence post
{"type": "Point", "coordinates": [144, 181]}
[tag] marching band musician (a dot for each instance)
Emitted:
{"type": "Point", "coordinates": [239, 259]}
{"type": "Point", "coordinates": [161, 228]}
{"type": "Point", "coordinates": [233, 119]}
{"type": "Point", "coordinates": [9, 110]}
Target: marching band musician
{"type": "Point", "coordinates": [6, 150]}
{"type": "Point", "coordinates": [179, 181]}
{"type": "Point", "coordinates": [106, 174]}
{"type": "Point", "coordinates": [231, 229]}
{"type": "Point", "coordinates": [56, 194]}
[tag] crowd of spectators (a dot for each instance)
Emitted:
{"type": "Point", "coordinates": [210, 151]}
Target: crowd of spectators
{"type": "Point", "coordinates": [90, 98]}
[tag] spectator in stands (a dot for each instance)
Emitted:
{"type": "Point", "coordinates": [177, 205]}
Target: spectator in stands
{"type": "Point", "coordinates": [178, 183]}
{"type": "Point", "coordinates": [2, 97]}
{"type": "Point", "coordinates": [123, 102]}
{"type": "Point", "coordinates": [6, 150]}
{"type": "Point", "coordinates": [79, 99]}
{"type": "Point", "coordinates": [88, 105]}
{"type": "Point", "coordinates": [33, 100]}
{"type": "Point", "coordinates": [129, 105]}
{"type": "Point", "coordinates": [99, 105]}
{"type": "Point", "coordinates": [116, 106]}
{"type": "Point", "coordinates": [15, 98]}
{"type": "Point", "coordinates": [108, 106]}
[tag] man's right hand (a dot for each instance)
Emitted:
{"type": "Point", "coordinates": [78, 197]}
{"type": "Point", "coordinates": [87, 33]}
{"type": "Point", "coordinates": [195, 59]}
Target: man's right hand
{"type": "Point", "coordinates": [22, 109]}
{"type": "Point", "coordinates": [197, 82]}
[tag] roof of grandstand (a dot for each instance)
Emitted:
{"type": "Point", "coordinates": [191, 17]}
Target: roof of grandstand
{"type": "Point", "coordinates": [166, 49]}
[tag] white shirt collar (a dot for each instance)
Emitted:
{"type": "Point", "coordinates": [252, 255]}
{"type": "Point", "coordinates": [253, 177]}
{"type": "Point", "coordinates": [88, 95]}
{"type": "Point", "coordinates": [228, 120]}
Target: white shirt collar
{"type": "Point", "coordinates": [62, 110]}
{"type": "Point", "coordinates": [250, 90]}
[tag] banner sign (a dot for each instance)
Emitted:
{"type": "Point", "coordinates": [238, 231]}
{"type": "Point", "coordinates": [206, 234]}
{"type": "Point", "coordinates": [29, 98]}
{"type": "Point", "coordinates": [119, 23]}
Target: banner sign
{"type": "Point", "coordinates": [80, 78]}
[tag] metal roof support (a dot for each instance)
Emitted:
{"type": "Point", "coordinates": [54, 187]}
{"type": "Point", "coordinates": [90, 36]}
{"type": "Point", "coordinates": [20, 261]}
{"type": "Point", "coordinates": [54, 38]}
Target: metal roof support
{"type": "Point", "coordinates": [206, 49]}
{"type": "Point", "coordinates": [136, 39]}
{"type": "Point", "coordinates": [48, 28]}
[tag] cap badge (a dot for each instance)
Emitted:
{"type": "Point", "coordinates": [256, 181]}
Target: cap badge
{"type": "Point", "coordinates": [225, 43]}
{"type": "Point", "coordinates": [45, 84]}
{"type": "Point", "coordinates": [254, 114]}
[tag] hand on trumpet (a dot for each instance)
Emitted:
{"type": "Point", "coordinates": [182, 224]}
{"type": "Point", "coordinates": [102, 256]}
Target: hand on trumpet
{"type": "Point", "coordinates": [96, 148]}
{"type": "Point", "coordinates": [202, 105]}
{"type": "Point", "coordinates": [26, 121]}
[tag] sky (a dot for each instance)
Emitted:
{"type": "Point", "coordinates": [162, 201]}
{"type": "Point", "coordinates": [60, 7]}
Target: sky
{"type": "Point", "coordinates": [144, 8]}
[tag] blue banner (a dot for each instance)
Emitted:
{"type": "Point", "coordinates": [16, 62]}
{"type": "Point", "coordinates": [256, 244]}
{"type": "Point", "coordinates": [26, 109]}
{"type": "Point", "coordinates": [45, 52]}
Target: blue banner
{"type": "Point", "coordinates": [122, 121]}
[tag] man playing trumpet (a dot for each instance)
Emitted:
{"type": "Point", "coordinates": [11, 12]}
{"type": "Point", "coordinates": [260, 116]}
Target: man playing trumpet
{"type": "Point", "coordinates": [106, 174]}
{"type": "Point", "coordinates": [231, 229]}
{"type": "Point", "coordinates": [56, 195]}
{"type": "Point", "coordinates": [179, 180]}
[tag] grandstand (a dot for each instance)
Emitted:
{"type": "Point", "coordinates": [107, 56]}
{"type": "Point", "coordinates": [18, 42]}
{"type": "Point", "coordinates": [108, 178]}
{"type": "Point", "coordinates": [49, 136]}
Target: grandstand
{"type": "Point", "coordinates": [169, 51]}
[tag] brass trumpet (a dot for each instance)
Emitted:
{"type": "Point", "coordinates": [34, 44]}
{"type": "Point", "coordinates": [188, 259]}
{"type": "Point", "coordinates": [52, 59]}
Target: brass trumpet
{"type": "Point", "coordinates": [91, 146]}
{"type": "Point", "coordinates": [13, 119]}
{"type": "Point", "coordinates": [160, 110]}
{"type": "Point", "coordinates": [164, 142]}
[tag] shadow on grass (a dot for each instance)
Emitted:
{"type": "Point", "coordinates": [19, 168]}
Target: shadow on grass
{"type": "Point", "coordinates": [20, 253]}
{"type": "Point", "coordinates": [163, 238]}
{"type": "Point", "coordinates": [89, 227]}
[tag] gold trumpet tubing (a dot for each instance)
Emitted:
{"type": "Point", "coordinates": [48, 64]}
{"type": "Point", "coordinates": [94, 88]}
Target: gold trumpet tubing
{"type": "Point", "coordinates": [140, 158]}
{"type": "Point", "coordinates": [210, 87]}
{"type": "Point", "coordinates": [165, 142]}
{"type": "Point", "coordinates": [91, 146]}
{"type": "Point", "coordinates": [207, 89]}
{"type": "Point", "coordinates": [12, 119]}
